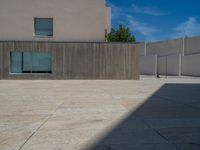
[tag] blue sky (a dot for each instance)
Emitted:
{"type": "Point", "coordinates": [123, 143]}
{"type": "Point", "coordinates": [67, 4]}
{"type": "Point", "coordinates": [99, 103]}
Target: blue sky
{"type": "Point", "coordinates": [154, 20]}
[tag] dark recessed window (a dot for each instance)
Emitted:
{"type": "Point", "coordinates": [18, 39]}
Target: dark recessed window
{"type": "Point", "coordinates": [30, 62]}
{"type": "Point", "coordinates": [43, 26]}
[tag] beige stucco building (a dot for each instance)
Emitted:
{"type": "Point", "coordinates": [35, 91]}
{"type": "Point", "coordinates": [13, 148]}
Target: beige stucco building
{"type": "Point", "coordinates": [71, 20]}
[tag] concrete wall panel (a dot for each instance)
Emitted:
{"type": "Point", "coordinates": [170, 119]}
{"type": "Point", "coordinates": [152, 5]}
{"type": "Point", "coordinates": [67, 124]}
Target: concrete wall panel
{"type": "Point", "coordinates": [140, 47]}
{"type": "Point", "coordinates": [169, 65]}
{"type": "Point", "coordinates": [190, 65]}
{"type": "Point", "coordinates": [148, 65]}
{"type": "Point", "coordinates": [192, 45]}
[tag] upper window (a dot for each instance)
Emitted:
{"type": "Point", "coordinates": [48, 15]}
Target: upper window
{"type": "Point", "coordinates": [43, 26]}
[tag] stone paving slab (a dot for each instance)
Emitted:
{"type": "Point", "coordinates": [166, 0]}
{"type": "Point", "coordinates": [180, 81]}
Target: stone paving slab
{"type": "Point", "coordinates": [148, 114]}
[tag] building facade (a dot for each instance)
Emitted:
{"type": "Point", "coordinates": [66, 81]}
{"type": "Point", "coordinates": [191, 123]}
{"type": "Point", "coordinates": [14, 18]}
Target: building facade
{"type": "Point", "coordinates": [54, 20]}
{"type": "Point", "coordinates": [61, 39]}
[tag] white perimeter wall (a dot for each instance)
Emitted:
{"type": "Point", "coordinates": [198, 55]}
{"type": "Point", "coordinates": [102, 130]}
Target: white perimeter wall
{"type": "Point", "coordinates": [175, 57]}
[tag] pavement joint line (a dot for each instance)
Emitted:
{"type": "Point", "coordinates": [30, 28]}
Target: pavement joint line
{"type": "Point", "coordinates": [165, 138]}
{"type": "Point", "coordinates": [45, 121]}
{"type": "Point", "coordinates": [158, 133]}
{"type": "Point", "coordinates": [174, 145]}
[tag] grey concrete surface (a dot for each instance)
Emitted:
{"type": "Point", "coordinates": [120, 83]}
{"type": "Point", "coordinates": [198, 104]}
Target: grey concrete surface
{"type": "Point", "coordinates": [148, 65]}
{"type": "Point", "coordinates": [192, 45]}
{"type": "Point", "coordinates": [163, 48]}
{"type": "Point", "coordinates": [148, 114]}
{"type": "Point", "coordinates": [140, 47]}
{"type": "Point", "coordinates": [169, 65]}
{"type": "Point", "coordinates": [190, 65]}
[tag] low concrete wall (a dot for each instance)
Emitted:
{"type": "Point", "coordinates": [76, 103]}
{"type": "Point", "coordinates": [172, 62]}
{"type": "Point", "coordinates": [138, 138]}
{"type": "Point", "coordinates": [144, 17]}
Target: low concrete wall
{"type": "Point", "coordinates": [169, 65]}
{"type": "Point", "coordinates": [148, 65]}
{"type": "Point", "coordinates": [190, 65]}
{"type": "Point", "coordinates": [113, 61]}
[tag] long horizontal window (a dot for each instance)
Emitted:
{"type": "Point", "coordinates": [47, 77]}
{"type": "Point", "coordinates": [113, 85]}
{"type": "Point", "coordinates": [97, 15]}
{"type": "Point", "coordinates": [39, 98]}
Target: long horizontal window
{"type": "Point", "coordinates": [31, 62]}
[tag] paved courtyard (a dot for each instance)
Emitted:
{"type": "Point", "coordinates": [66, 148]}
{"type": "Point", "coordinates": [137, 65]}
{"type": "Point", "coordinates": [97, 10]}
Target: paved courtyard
{"type": "Point", "coordinates": [148, 114]}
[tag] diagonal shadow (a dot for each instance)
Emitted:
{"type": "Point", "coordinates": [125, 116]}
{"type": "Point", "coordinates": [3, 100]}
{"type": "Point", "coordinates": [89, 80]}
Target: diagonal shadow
{"type": "Point", "coordinates": [168, 120]}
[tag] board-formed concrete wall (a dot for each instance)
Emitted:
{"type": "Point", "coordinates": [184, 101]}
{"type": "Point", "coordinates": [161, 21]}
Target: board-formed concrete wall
{"type": "Point", "coordinates": [92, 61]}
{"type": "Point", "coordinates": [140, 47]}
{"type": "Point", "coordinates": [190, 65]}
{"type": "Point", "coordinates": [148, 65]}
{"type": "Point", "coordinates": [169, 65]}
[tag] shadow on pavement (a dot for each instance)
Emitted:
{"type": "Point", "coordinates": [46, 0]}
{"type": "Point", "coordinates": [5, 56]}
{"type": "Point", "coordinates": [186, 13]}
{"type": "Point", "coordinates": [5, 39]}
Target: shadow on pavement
{"type": "Point", "coordinates": [168, 120]}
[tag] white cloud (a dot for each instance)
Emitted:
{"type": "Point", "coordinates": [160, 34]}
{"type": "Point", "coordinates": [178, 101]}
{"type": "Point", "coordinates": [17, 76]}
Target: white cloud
{"type": "Point", "coordinates": [189, 28]}
{"type": "Point", "coordinates": [135, 25]}
{"type": "Point", "coordinates": [133, 8]}
{"type": "Point", "coordinates": [147, 10]}
{"type": "Point", "coordinates": [140, 27]}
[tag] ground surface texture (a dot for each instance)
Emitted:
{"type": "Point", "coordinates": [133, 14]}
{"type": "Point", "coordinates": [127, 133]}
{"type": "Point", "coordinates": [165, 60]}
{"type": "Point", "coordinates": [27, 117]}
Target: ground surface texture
{"type": "Point", "coordinates": [149, 114]}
